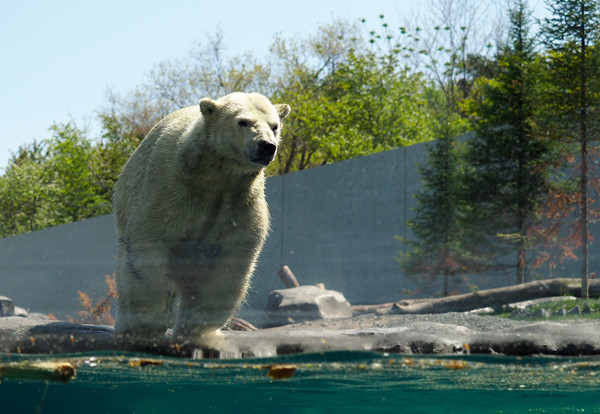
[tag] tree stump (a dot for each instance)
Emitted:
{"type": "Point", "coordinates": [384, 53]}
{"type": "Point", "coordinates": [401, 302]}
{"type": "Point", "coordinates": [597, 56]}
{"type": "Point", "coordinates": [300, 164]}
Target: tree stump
{"type": "Point", "coordinates": [288, 278]}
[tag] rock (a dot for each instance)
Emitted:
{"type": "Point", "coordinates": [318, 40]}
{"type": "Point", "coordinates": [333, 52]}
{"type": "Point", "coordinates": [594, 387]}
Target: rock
{"type": "Point", "coordinates": [533, 302]}
{"type": "Point", "coordinates": [38, 316]}
{"type": "Point", "coordinates": [562, 312]}
{"type": "Point", "coordinates": [414, 338]}
{"type": "Point", "coordinates": [518, 313]}
{"type": "Point", "coordinates": [546, 338]}
{"type": "Point", "coordinates": [35, 336]}
{"type": "Point", "coordinates": [482, 311]}
{"type": "Point", "coordinates": [576, 311]}
{"type": "Point", "coordinates": [304, 303]}
{"type": "Point", "coordinates": [7, 308]}
{"type": "Point", "coordinates": [19, 311]}
{"type": "Point", "coordinates": [398, 335]}
{"type": "Point", "coordinates": [541, 313]}
{"type": "Point", "coordinates": [586, 309]}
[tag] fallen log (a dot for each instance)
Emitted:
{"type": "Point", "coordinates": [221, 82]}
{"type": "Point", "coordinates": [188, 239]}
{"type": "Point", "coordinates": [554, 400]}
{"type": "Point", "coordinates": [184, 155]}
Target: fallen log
{"type": "Point", "coordinates": [364, 309]}
{"type": "Point", "coordinates": [381, 308]}
{"type": "Point", "coordinates": [495, 298]}
{"type": "Point", "coordinates": [238, 324]}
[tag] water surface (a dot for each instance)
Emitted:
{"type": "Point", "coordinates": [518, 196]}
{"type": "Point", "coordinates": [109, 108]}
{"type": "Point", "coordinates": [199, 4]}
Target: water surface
{"type": "Point", "coordinates": [344, 382]}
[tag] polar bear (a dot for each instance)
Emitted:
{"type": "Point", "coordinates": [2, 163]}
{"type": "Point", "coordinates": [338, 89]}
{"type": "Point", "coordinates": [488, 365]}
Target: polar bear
{"type": "Point", "coordinates": [191, 217]}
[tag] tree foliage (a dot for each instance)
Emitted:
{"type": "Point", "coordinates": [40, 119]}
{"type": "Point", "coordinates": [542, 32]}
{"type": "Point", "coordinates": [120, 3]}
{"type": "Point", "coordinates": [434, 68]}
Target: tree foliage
{"type": "Point", "coordinates": [572, 38]}
{"type": "Point", "coordinates": [51, 183]}
{"type": "Point", "coordinates": [301, 70]}
{"type": "Point", "coordinates": [364, 106]}
{"type": "Point", "coordinates": [437, 246]}
{"type": "Point", "coordinates": [511, 162]}
{"type": "Point", "coordinates": [527, 112]}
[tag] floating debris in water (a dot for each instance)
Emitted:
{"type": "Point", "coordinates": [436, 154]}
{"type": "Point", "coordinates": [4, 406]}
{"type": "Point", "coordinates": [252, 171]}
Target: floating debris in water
{"type": "Point", "coordinates": [279, 371]}
{"type": "Point", "coordinates": [39, 370]}
{"type": "Point", "coordinates": [144, 362]}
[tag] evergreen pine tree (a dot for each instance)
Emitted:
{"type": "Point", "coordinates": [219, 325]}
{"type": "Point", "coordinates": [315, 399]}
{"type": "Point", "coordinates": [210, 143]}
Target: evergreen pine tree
{"type": "Point", "coordinates": [509, 162]}
{"type": "Point", "coordinates": [437, 246]}
{"type": "Point", "coordinates": [571, 36]}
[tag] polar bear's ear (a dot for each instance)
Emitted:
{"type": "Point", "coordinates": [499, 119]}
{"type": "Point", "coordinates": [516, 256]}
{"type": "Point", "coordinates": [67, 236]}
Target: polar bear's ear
{"type": "Point", "coordinates": [283, 110]}
{"type": "Point", "coordinates": [208, 106]}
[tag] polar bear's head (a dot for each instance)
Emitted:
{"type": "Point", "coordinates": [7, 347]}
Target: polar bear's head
{"type": "Point", "coordinates": [244, 127]}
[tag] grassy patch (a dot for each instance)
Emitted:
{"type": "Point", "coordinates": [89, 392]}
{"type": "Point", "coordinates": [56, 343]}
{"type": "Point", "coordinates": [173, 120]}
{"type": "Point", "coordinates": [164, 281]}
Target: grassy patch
{"type": "Point", "coordinates": [567, 304]}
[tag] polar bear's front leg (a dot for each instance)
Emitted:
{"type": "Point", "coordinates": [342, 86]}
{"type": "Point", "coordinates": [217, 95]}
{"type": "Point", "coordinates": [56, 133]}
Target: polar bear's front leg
{"type": "Point", "coordinates": [207, 297]}
{"type": "Point", "coordinates": [143, 303]}
{"type": "Point", "coordinates": [200, 314]}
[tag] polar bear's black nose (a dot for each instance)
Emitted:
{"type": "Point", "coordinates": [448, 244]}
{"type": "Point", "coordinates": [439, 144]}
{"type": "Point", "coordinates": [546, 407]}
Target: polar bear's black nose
{"type": "Point", "coordinates": [266, 149]}
{"type": "Point", "coordinates": [265, 152]}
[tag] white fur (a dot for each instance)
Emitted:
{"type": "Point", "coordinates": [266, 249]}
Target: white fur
{"type": "Point", "coordinates": [191, 216]}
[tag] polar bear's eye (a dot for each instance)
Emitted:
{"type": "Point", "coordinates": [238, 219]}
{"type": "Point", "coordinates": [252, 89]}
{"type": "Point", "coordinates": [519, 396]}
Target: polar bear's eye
{"type": "Point", "coordinates": [243, 123]}
{"type": "Point", "coordinates": [274, 128]}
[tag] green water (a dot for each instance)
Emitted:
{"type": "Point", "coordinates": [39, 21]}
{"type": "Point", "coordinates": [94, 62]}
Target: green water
{"type": "Point", "coordinates": [344, 382]}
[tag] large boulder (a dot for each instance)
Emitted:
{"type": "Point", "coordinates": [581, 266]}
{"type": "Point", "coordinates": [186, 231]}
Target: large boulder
{"type": "Point", "coordinates": [7, 308]}
{"type": "Point", "coordinates": [304, 303]}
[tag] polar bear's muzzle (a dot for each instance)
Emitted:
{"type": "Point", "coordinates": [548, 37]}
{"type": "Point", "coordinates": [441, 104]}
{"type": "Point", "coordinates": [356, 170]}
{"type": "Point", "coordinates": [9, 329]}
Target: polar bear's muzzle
{"type": "Point", "coordinates": [264, 153]}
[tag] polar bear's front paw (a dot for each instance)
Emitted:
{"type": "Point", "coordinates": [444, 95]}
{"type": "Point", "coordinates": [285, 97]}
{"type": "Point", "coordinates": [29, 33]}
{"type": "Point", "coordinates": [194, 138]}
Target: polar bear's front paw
{"type": "Point", "coordinates": [206, 339]}
{"type": "Point", "coordinates": [211, 340]}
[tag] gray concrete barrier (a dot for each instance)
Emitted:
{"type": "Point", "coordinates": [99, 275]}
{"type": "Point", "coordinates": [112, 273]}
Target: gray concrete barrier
{"type": "Point", "coordinates": [334, 224]}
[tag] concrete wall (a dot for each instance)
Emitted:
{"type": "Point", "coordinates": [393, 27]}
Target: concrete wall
{"type": "Point", "coordinates": [334, 224]}
{"type": "Point", "coordinates": [337, 224]}
{"type": "Point", "coordinates": [44, 270]}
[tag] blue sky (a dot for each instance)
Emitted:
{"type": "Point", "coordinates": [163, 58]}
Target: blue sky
{"type": "Point", "coordinates": [59, 57]}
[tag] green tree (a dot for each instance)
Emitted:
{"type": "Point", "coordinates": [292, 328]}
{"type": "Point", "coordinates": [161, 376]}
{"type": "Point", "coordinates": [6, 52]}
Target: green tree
{"type": "Point", "coordinates": [364, 106]}
{"type": "Point", "coordinates": [301, 69]}
{"type": "Point", "coordinates": [571, 36]}
{"type": "Point", "coordinates": [510, 161]}
{"type": "Point", "coordinates": [438, 246]}
{"type": "Point", "coordinates": [62, 179]}
{"type": "Point", "coordinates": [373, 106]}
{"type": "Point", "coordinates": [24, 191]}
{"type": "Point", "coordinates": [110, 153]}
{"type": "Point", "coordinates": [75, 194]}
